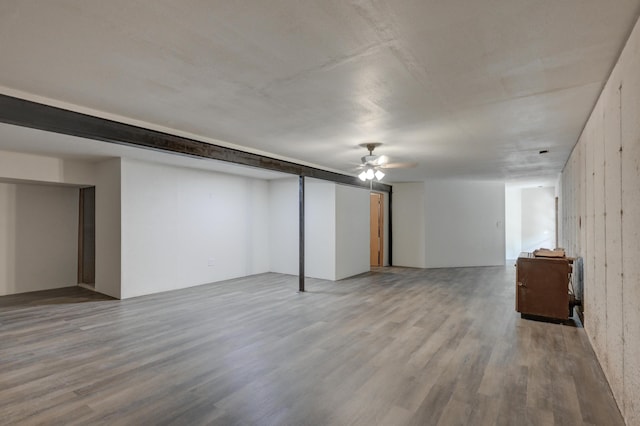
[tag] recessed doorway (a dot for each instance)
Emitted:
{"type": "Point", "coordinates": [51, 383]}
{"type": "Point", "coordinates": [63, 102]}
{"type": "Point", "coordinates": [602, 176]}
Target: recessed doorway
{"type": "Point", "coordinates": [87, 237]}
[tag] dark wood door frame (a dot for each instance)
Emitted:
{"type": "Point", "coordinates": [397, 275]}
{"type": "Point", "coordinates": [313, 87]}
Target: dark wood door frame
{"type": "Point", "coordinates": [86, 236]}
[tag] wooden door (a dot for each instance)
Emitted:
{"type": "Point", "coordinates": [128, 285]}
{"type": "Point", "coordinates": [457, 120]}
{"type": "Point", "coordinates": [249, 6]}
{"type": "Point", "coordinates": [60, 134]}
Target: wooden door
{"type": "Point", "coordinates": [376, 229]}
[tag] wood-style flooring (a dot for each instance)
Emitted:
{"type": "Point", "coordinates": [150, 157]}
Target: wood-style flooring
{"type": "Point", "coordinates": [396, 346]}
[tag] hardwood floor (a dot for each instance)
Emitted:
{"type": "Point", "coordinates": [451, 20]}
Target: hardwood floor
{"type": "Point", "coordinates": [392, 347]}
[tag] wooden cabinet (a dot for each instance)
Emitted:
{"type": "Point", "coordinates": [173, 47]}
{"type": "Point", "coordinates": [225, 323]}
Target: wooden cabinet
{"type": "Point", "coordinates": [542, 286]}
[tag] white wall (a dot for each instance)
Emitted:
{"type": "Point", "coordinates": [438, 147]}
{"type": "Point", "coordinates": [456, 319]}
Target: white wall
{"type": "Point", "coordinates": [513, 222]}
{"type": "Point", "coordinates": [448, 223]}
{"type": "Point", "coordinates": [538, 218]}
{"type": "Point", "coordinates": [7, 238]}
{"type": "Point", "coordinates": [464, 223]}
{"type": "Point", "coordinates": [184, 227]}
{"type": "Point", "coordinates": [409, 221]}
{"type": "Point", "coordinates": [529, 219]}
{"type": "Point", "coordinates": [352, 255]}
{"type": "Point", "coordinates": [38, 168]}
{"type": "Point", "coordinates": [320, 229]}
{"type": "Point", "coordinates": [283, 226]}
{"type": "Point", "coordinates": [336, 228]}
{"type": "Point", "coordinates": [38, 237]}
{"type": "Point", "coordinates": [108, 228]}
{"type": "Point", "coordinates": [385, 254]}
{"type": "Point", "coordinates": [600, 199]}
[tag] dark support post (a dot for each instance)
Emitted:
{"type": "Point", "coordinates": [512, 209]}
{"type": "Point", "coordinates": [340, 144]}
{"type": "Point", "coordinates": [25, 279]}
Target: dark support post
{"type": "Point", "coordinates": [390, 239]}
{"type": "Point", "coordinates": [301, 230]}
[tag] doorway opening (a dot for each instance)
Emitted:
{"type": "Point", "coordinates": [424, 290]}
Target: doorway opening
{"type": "Point", "coordinates": [376, 229]}
{"type": "Point", "coordinates": [87, 237]}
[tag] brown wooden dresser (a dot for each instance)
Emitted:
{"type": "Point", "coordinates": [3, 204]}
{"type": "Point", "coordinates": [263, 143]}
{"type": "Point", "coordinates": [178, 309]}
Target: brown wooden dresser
{"type": "Point", "coordinates": [542, 286]}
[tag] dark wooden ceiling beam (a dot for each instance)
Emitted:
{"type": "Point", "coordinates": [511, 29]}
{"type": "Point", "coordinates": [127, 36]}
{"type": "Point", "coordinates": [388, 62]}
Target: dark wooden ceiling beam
{"type": "Point", "coordinates": [35, 115]}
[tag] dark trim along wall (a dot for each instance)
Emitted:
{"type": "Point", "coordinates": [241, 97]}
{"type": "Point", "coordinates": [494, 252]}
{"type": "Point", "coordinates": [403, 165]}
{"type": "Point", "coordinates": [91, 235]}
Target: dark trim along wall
{"type": "Point", "coordinates": [34, 115]}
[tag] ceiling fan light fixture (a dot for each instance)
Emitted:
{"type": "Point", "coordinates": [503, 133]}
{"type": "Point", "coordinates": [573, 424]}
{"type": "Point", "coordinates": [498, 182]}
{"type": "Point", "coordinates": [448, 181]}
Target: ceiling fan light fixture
{"type": "Point", "coordinates": [379, 174]}
{"type": "Point", "coordinates": [363, 176]}
{"type": "Point", "coordinates": [370, 174]}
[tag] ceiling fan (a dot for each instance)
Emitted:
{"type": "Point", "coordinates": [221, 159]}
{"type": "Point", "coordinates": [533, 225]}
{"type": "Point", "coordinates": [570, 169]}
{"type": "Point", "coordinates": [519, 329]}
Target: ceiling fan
{"type": "Point", "coordinates": [372, 165]}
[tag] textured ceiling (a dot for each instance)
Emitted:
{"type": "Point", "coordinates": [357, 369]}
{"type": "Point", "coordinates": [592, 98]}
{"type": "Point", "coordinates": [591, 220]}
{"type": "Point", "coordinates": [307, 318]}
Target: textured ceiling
{"type": "Point", "coordinates": [471, 88]}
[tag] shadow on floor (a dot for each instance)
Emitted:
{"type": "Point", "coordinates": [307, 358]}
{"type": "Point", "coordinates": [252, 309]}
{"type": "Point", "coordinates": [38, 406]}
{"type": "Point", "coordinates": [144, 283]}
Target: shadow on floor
{"type": "Point", "coordinates": [58, 296]}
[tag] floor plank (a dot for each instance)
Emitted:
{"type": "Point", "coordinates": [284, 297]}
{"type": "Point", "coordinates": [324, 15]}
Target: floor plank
{"type": "Point", "coordinates": [395, 346]}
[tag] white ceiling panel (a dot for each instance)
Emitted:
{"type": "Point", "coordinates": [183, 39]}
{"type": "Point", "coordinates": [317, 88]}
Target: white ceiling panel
{"type": "Point", "coordinates": [465, 88]}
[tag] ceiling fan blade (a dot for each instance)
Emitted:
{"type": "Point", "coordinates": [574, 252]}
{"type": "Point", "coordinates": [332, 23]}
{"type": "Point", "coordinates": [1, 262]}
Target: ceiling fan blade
{"type": "Point", "coordinates": [398, 165]}
{"type": "Point", "coordinates": [382, 160]}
